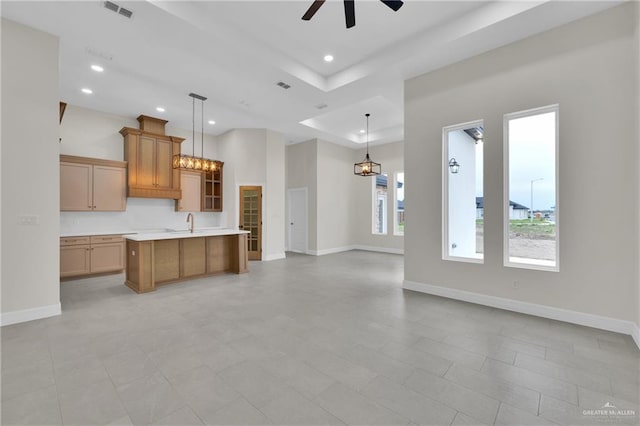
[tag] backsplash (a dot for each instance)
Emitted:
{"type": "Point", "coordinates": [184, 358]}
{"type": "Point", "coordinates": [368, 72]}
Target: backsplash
{"type": "Point", "coordinates": [142, 214]}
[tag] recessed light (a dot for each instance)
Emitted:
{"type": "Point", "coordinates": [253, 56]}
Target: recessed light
{"type": "Point", "coordinates": [361, 130]}
{"type": "Point", "coordinates": [97, 68]}
{"type": "Point", "coordinates": [328, 58]}
{"type": "Point", "coordinates": [87, 91]}
{"type": "Point", "coordinates": [212, 122]}
{"type": "Point", "coordinates": [159, 109]}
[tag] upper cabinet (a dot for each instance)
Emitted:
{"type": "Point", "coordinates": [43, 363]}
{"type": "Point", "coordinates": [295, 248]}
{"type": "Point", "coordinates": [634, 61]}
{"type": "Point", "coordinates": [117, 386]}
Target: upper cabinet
{"type": "Point", "coordinates": [212, 189]}
{"type": "Point", "coordinates": [149, 153]}
{"type": "Point", "coordinates": [91, 184]}
{"type": "Point", "coordinates": [191, 192]}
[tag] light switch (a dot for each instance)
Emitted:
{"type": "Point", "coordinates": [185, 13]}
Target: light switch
{"type": "Point", "coordinates": [29, 220]}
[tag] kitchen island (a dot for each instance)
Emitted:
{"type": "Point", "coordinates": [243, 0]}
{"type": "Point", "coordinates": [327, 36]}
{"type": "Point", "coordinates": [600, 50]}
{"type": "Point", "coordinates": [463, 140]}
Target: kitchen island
{"type": "Point", "coordinates": [155, 259]}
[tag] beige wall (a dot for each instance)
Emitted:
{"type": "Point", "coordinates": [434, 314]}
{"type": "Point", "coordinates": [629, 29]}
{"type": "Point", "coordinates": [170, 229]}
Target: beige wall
{"type": "Point", "coordinates": [637, 72]}
{"type": "Point", "coordinates": [335, 216]}
{"type": "Point", "coordinates": [248, 161]}
{"type": "Point", "coordinates": [391, 156]}
{"type": "Point", "coordinates": [590, 69]}
{"type": "Point", "coordinates": [275, 203]}
{"type": "Point", "coordinates": [30, 174]}
{"type": "Point", "coordinates": [89, 133]}
{"type": "Point", "coordinates": [340, 203]}
{"type": "Point", "coordinates": [302, 172]}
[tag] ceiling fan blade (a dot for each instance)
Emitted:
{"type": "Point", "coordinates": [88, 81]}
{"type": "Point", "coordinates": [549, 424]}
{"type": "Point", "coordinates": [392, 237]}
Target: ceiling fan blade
{"type": "Point", "coordinates": [350, 13]}
{"type": "Point", "coordinates": [312, 9]}
{"type": "Point", "coordinates": [393, 4]}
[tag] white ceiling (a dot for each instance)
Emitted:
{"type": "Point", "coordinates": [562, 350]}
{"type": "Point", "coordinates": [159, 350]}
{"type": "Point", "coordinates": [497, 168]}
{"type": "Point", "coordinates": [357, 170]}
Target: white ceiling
{"type": "Point", "coordinates": [234, 53]}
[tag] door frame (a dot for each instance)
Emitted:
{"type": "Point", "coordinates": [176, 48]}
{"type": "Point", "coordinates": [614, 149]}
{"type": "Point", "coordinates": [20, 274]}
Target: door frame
{"type": "Point", "coordinates": [305, 191]}
{"type": "Point", "coordinates": [263, 187]}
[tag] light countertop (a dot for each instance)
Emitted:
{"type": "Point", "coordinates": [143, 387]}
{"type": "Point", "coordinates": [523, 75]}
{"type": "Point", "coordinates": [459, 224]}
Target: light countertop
{"type": "Point", "coordinates": [95, 233]}
{"type": "Point", "coordinates": [151, 236]}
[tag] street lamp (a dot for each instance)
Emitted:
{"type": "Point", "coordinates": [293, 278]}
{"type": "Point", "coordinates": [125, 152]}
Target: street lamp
{"type": "Point", "coordinates": [531, 208]}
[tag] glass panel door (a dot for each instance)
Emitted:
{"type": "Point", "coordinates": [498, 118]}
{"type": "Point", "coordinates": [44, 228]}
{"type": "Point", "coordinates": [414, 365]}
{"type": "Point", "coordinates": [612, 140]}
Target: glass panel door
{"type": "Point", "coordinates": [251, 218]}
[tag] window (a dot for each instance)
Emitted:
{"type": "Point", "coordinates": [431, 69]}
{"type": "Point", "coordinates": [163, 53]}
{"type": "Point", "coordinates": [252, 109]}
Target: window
{"type": "Point", "coordinates": [398, 221]}
{"type": "Point", "coordinates": [462, 194]}
{"type": "Point", "coordinates": [380, 190]}
{"type": "Point", "coordinates": [530, 189]}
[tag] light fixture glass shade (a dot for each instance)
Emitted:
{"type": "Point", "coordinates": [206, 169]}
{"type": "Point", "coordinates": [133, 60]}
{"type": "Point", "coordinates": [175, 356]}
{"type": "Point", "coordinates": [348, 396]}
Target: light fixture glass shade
{"type": "Point", "coordinates": [454, 166]}
{"type": "Point", "coordinates": [367, 167]}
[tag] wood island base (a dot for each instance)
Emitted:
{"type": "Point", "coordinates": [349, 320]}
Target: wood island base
{"type": "Point", "coordinates": [153, 263]}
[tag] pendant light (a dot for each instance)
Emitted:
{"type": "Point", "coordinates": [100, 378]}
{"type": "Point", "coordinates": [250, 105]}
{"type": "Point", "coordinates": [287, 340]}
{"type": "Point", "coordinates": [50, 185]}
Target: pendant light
{"type": "Point", "coordinates": [191, 162]}
{"type": "Point", "coordinates": [367, 167]}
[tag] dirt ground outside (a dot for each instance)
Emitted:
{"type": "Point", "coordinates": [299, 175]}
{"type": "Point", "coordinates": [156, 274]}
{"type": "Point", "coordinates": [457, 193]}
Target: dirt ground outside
{"type": "Point", "coordinates": [535, 241]}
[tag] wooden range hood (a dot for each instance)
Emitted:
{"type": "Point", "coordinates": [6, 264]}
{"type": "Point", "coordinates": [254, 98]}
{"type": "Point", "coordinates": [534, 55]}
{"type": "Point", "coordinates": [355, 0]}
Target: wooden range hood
{"type": "Point", "coordinates": [149, 154]}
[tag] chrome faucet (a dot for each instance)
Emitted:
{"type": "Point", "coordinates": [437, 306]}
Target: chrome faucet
{"type": "Point", "coordinates": [191, 222]}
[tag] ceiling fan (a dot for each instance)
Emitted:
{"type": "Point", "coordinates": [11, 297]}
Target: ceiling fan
{"type": "Point", "coordinates": [349, 10]}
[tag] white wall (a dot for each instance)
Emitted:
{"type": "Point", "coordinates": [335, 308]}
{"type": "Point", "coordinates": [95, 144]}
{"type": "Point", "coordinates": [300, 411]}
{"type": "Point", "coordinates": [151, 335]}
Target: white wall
{"type": "Point", "coordinates": [462, 195]}
{"type": "Point", "coordinates": [89, 133]}
{"type": "Point", "coordinates": [30, 174]}
{"type": "Point", "coordinates": [590, 69]}
{"type": "Point", "coordinates": [302, 172]}
{"type": "Point", "coordinates": [391, 156]}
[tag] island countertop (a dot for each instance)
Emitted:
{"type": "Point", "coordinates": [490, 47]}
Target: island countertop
{"type": "Point", "coordinates": [171, 235]}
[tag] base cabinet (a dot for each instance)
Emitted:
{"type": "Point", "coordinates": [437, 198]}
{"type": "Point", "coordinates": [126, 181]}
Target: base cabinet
{"type": "Point", "coordinates": [87, 255]}
{"type": "Point", "coordinates": [159, 262]}
{"type": "Point", "coordinates": [75, 260]}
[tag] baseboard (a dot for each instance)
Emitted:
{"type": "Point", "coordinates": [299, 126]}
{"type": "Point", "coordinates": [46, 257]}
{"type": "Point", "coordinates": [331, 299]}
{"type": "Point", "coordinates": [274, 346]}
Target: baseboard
{"type": "Point", "coordinates": [15, 317]}
{"type": "Point", "coordinates": [573, 317]}
{"type": "Point", "coordinates": [275, 256]}
{"type": "Point", "coordinates": [379, 249]}
{"type": "Point", "coordinates": [330, 251]}
{"type": "Point", "coordinates": [636, 334]}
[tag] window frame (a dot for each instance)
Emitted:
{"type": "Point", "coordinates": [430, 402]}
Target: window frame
{"type": "Point", "coordinates": [395, 203]}
{"type": "Point", "coordinates": [374, 206]}
{"type": "Point", "coordinates": [507, 262]}
{"type": "Point", "coordinates": [445, 192]}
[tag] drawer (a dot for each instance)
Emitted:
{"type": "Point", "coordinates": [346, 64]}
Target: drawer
{"type": "Point", "coordinates": [97, 239]}
{"type": "Point", "coordinates": [73, 241]}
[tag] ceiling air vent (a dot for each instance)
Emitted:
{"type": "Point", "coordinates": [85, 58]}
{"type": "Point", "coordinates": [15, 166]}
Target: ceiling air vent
{"type": "Point", "coordinates": [321, 106]}
{"type": "Point", "coordinates": [125, 12]}
{"type": "Point", "coordinates": [117, 9]}
{"type": "Point", "coordinates": [283, 85]}
{"type": "Point", "coordinates": [111, 6]}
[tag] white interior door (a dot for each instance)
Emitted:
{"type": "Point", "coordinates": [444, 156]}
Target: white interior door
{"type": "Point", "coordinates": [298, 220]}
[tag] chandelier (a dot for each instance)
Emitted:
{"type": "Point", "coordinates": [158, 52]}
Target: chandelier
{"type": "Point", "coordinates": [191, 162]}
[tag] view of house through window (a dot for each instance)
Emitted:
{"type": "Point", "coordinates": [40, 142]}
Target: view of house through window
{"type": "Point", "coordinates": [399, 205]}
{"type": "Point", "coordinates": [463, 198]}
{"type": "Point", "coordinates": [531, 231]}
{"type": "Point", "coordinates": [380, 191]}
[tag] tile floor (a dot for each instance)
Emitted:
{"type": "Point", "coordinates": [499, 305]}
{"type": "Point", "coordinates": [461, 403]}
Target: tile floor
{"type": "Point", "coordinates": [307, 341]}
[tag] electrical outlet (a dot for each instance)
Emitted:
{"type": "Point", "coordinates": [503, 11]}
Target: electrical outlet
{"type": "Point", "coordinates": [29, 220]}
{"type": "Point", "coordinates": [516, 284]}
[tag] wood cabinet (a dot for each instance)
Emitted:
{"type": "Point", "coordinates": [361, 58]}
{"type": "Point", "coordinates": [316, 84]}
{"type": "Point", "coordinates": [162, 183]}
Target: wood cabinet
{"type": "Point", "coordinates": [85, 255]}
{"type": "Point", "coordinates": [212, 190]}
{"type": "Point", "coordinates": [150, 164]}
{"type": "Point", "coordinates": [152, 263]}
{"type": "Point", "coordinates": [191, 185]}
{"type": "Point", "coordinates": [92, 184]}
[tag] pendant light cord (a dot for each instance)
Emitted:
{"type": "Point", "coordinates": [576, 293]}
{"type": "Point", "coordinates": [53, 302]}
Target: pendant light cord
{"type": "Point", "coordinates": [193, 127]}
{"type": "Point", "coordinates": [367, 115]}
{"type": "Point", "coordinates": [202, 130]}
